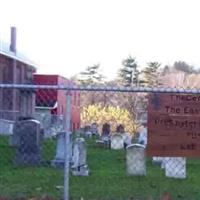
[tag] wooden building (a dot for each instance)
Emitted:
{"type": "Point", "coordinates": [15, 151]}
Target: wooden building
{"type": "Point", "coordinates": [15, 69]}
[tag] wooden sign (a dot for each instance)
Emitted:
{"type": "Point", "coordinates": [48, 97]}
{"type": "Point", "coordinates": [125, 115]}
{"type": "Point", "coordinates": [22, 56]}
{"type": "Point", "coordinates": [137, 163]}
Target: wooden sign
{"type": "Point", "coordinates": [174, 125]}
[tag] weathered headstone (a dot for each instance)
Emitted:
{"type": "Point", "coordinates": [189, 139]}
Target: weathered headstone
{"type": "Point", "coordinates": [117, 141]}
{"type": "Point", "coordinates": [143, 135]}
{"type": "Point", "coordinates": [175, 167]}
{"type": "Point", "coordinates": [163, 162]}
{"type": "Point", "coordinates": [59, 159]}
{"type": "Point", "coordinates": [105, 138]}
{"type": "Point", "coordinates": [79, 167]}
{"type": "Point", "coordinates": [28, 142]}
{"type": "Point", "coordinates": [157, 160]}
{"type": "Point", "coordinates": [14, 138]}
{"type": "Point", "coordinates": [94, 129]}
{"type": "Point", "coordinates": [6, 127]}
{"type": "Point", "coordinates": [80, 132]}
{"type": "Point", "coordinates": [135, 160]}
{"type": "Point", "coordinates": [103, 143]}
{"type": "Point", "coordinates": [105, 131]}
{"type": "Point", "coordinates": [87, 131]}
{"type": "Point", "coordinates": [127, 139]}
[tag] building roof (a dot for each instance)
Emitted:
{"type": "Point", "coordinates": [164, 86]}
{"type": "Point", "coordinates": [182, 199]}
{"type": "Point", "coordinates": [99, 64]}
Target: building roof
{"type": "Point", "coordinates": [5, 50]}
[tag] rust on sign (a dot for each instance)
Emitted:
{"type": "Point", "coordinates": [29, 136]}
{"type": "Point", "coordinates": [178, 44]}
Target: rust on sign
{"type": "Point", "coordinates": [174, 125]}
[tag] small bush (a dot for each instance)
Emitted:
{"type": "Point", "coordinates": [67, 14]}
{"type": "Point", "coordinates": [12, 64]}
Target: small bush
{"type": "Point", "coordinates": [110, 114]}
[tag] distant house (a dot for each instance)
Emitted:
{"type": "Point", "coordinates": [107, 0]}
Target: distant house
{"type": "Point", "coordinates": [15, 68]}
{"type": "Point", "coordinates": [54, 101]}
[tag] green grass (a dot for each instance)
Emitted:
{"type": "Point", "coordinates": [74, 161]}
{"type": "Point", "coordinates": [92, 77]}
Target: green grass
{"type": "Point", "coordinates": [28, 181]}
{"type": "Point", "coordinates": [107, 178]}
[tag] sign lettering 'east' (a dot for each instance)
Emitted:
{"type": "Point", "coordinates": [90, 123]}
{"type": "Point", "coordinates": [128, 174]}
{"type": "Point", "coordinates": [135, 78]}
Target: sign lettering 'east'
{"type": "Point", "coordinates": [174, 125]}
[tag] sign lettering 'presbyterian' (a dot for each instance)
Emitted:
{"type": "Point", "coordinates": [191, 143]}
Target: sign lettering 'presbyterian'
{"type": "Point", "coordinates": [174, 125]}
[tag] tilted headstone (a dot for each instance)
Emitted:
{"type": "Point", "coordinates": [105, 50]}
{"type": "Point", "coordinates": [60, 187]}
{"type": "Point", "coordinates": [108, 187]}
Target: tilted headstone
{"type": "Point", "coordinates": [28, 142]}
{"type": "Point", "coordinates": [175, 167]}
{"type": "Point", "coordinates": [79, 167]}
{"type": "Point", "coordinates": [135, 160]}
{"type": "Point", "coordinates": [117, 141]}
{"type": "Point", "coordinates": [59, 159]}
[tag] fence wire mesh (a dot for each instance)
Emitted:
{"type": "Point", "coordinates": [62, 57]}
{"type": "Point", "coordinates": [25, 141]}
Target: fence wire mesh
{"type": "Point", "coordinates": [108, 138]}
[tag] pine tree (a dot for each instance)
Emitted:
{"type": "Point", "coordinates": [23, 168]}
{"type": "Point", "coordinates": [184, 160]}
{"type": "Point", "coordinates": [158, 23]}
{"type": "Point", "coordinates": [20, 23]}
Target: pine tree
{"type": "Point", "coordinates": [129, 73]}
{"type": "Point", "coordinates": [151, 74]}
{"type": "Point", "coordinates": [91, 76]}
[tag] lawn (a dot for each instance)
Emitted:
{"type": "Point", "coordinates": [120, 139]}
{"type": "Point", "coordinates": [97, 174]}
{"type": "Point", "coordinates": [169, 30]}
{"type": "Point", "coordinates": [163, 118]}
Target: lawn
{"type": "Point", "coordinates": [107, 178]}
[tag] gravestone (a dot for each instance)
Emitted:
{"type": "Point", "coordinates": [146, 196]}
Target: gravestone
{"type": "Point", "coordinates": [79, 167]}
{"type": "Point", "coordinates": [28, 142]}
{"type": "Point", "coordinates": [158, 160]}
{"type": "Point", "coordinates": [117, 141]}
{"type": "Point", "coordinates": [127, 138]}
{"type": "Point", "coordinates": [135, 160]}
{"type": "Point", "coordinates": [14, 138]}
{"type": "Point", "coordinates": [175, 167]}
{"type": "Point", "coordinates": [103, 143]}
{"type": "Point", "coordinates": [105, 138]}
{"type": "Point", "coordinates": [105, 134]}
{"type": "Point", "coordinates": [87, 130]}
{"type": "Point", "coordinates": [164, 161]}
{"type": "Point", "coordinates": [94, 129]}
{"type": "Point", "coordinates": [143, 135]}
{"type": "Point", "coordinates": [6, 127]}
{"type": "Point", "coordinates": [80, 132]}
{"type": "Point", "coordinates": [59, 159]}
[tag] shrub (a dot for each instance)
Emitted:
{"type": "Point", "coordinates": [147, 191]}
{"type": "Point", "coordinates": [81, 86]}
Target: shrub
{"type": "Point", "coordinates": [109, 114]}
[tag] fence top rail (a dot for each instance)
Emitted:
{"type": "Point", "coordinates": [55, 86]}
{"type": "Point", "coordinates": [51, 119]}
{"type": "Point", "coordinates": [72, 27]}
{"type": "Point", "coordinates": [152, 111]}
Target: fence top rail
{"type": "Point", "coordinates": [102, 88]}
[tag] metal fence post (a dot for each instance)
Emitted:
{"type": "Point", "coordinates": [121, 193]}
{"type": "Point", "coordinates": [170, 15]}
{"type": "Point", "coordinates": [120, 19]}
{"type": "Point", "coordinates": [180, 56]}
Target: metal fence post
{"type": "Point", "coordinates": [67, 143]}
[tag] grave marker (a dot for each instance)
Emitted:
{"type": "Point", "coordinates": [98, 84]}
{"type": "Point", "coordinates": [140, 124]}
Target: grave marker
{"type": "Point", "coordinates": [135, 160]}
{"type": "Point", "coordinates": [117, 141]}
{"type": "Point", "coordinates": [28, 146]}
{"type": "Point", "coordinates": [59, 159]}
{"type": "Point", "coordinates": [79, 167]}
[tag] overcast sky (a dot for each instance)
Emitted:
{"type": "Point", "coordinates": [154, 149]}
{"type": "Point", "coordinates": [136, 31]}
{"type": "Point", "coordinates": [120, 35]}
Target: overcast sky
{"type": "Point", "coordinates": [65, 36]}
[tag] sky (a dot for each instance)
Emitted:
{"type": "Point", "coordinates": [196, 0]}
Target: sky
{"type": "Point", "coordinates": [65, 36]}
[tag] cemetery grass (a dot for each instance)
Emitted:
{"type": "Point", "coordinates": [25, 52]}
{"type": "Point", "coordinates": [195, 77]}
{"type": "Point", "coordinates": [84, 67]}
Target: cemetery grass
{"type": "Point", "coordinates": [107, 178]}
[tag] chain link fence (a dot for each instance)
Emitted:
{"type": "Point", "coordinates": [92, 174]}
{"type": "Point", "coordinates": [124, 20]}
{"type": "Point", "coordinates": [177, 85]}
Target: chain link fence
{"type": "Point", "coordinates": [77, 142]}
